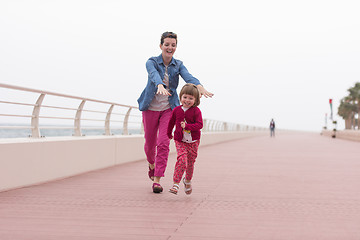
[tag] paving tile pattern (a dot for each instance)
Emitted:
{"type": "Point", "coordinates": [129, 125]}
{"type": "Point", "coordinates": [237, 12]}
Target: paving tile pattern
{"type": "Point", "coordinates": [298, 186]}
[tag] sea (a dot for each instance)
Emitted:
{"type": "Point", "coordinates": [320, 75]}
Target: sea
{"type": "Point", "coordinates": [25, 132]}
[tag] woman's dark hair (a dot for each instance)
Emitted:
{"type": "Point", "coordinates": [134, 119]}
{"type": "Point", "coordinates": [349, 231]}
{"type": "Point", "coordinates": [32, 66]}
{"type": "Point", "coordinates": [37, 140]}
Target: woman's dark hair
{"type": "Point", "coordinates": [168, 35]}
{"type": "Point", "coordinates": [192, 90]}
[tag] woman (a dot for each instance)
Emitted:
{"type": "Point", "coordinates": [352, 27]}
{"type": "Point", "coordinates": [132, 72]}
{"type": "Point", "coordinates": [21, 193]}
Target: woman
{"type": "Point", "coordinates": [157, 101]}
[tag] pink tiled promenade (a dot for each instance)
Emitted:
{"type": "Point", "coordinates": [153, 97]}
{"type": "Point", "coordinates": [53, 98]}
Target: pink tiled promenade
{"type": "Point", "coordinates": [297, 186]}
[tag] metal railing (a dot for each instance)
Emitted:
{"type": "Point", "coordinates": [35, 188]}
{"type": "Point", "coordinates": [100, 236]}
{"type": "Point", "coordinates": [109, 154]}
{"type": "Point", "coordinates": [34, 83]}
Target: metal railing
{"type": "Point", "coordinates": [128, 116]}
{"type": "Point", "coordinates": [50, 110]}
{"type": "Point", "coordinates": [220, 126]}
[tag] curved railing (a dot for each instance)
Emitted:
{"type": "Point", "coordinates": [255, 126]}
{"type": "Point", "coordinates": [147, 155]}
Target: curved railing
{"type": "Point", "coordinates": [220, 126]}
{"type": "Point", "coordinates": [77, 114]}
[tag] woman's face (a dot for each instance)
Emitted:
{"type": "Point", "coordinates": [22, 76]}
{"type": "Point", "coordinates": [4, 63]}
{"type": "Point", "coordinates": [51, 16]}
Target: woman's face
{"type": "Point", "coordinates": [168, 48]}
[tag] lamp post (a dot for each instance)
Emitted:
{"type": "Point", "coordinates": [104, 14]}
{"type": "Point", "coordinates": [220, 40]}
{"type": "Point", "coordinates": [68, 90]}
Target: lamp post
{"type": "Point", "coordinates": [331, 117]}
{"type": "Point", "coordinates": [331, 113]}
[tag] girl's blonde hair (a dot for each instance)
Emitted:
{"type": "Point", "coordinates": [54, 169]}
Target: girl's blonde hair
{"type": "Point", "coordinates": [192, 90]}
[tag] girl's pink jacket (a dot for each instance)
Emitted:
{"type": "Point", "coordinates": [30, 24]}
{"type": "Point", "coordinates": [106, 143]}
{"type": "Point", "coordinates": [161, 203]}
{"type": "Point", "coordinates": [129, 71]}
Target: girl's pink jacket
{"type": "Point", "coordinates": [193, 120]}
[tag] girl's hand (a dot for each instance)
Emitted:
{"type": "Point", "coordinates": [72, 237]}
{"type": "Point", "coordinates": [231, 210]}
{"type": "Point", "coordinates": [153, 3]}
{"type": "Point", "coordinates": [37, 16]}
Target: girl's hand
{"type": "Point", "coordinates": [183, 124]}
{"type": "Point", "coordinates": [162, 91]}
{"type": "Point", "coordinates": [204, 92]}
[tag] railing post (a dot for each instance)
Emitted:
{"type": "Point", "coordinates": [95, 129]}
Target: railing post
{"type": "Point", "coordinates": [35, 131]}
{"type": "Point", "coordinates": [218, 126]}
{"type": "Point", "coordinates": [226, 128]}
{"type": "Point", "coordinates": [77, 124]}
{"type": "Point", "coordinates": [213, 126]}
{"type": "Point", "coordinates": [126, 119]}
{"type": "Point", "coordinates": [205, 126]}
{"type": "Point", "coordinates": [209, 125]}
{"type": "Point", "coordinates": [107, 121]}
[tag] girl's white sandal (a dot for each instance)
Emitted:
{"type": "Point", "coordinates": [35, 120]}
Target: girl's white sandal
{"type": "Point", "coordinates": [188, 188]}
{"type": "Point", "coordinates": [174, 189]}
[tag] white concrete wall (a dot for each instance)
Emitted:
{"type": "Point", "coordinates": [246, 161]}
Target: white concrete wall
{"type": "Point", "coordinates": [353, 135]}
{"type": "Point", "coordinates": [29, 161]}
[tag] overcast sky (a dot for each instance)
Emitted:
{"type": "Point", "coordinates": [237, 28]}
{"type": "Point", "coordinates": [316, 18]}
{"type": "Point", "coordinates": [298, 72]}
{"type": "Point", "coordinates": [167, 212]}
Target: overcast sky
{"type": "Point", "coordinates": [262, 59]}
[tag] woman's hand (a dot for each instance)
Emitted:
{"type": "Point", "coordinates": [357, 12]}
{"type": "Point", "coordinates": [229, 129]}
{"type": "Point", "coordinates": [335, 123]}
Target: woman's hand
{"type": "Point", "coordinates": [162, 91]}
{"type": "Point", "coordinates": [204, 92]}
{"type": "Point", "coordinates": [183, 124]}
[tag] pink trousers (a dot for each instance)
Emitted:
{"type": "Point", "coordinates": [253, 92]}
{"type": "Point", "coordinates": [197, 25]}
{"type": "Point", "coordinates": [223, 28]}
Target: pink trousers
{"type": "Point", "coordinates": [186, 156]}
{"type": "Point", "coordinates": [156, 139]}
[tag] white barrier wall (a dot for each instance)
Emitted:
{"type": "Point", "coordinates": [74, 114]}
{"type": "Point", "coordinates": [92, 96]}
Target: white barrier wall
{"type": "Point", "coordinates": [26, 162]}
{"type": "Point", "coordinates": [353, 135]}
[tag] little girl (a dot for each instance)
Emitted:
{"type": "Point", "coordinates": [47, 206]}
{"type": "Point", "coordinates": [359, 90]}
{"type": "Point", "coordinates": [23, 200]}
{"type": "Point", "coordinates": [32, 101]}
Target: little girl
{"type": "Point", "coordinates": [188, 122]}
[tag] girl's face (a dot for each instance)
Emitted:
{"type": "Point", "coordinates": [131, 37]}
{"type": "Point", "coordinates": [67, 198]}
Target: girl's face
{"type": "Point", "coordinates": [168, 48]}
{"type": "Point", "coordinates": [187, 100]}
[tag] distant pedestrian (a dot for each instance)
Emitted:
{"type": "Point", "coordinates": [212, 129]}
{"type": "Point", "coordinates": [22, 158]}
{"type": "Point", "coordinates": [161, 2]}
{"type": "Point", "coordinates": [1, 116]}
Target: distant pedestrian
{"type": "Point", "coordinates": [188, 122]}
{"type": "Point", "coordinates": [272, 128]}
{"type": "Point", "coordinates": [156, 102]}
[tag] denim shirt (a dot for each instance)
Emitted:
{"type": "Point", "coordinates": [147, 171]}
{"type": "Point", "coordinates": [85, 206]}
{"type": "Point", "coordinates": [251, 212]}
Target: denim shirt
{"type": "Point", "coordinates": [156, 70]}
